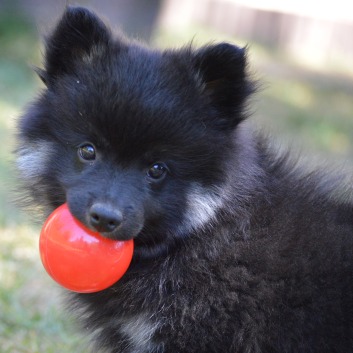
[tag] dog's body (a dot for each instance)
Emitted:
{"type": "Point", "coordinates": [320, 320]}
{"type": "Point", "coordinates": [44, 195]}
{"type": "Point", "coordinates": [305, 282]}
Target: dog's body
{"type": "Point", "coordinates": [237, 250]}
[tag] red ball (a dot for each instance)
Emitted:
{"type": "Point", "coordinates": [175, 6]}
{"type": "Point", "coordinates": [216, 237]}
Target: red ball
{"type": "Point", "coordinates": [78, 258]}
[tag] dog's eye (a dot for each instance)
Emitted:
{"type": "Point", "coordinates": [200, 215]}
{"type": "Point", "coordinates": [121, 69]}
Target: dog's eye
{"type": "Point", "coordinates": [157, 171]}
{"type": "Point", "coordinates": [87, 152]}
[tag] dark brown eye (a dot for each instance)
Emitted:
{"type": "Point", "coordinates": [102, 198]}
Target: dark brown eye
{"type": "Point", "coordinates": [87, 152]}
{"type": "Point", "coordinates": [157, 171]}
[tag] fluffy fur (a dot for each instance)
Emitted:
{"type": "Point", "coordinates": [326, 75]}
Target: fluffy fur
{"type": "Point", "coordinates": [237, 249]}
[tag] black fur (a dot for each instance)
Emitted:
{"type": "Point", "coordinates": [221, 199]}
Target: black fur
{"type": "Point", "coordinates": [237, 249]}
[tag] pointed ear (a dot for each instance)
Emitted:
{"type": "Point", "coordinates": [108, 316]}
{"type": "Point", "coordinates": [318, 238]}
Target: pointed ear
{"type": "Point", "coordinates": [41, 74]}
{"type": "Point", "coordinates": [222, 70]}
{"type": "Point", "coordinates": [79, 33]}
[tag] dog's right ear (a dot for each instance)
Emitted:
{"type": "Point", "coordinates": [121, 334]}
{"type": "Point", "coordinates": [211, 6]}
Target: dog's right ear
{"type": "Point", "coordinates": [79, 34]}
{"type": "Point", "coordinates": [222, 69]}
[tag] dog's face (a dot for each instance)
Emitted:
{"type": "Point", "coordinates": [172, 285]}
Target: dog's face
{"type": "Point", "coordinates": [134, 140]}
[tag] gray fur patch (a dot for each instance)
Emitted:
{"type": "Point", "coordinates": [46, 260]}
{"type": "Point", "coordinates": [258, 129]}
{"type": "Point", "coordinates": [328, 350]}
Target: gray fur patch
{"type": "Point", "coordinates": [32, 159]}
{"type": "Point", "coordinates": [139, 330]}
{"type": "Point", "coordinates": [202, 205]}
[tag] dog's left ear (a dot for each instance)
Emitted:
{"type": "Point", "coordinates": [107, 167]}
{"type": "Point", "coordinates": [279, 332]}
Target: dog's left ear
{"type": "Point", "coordinates": [224, 82]}
{"type": "Point", "coordinates": [79, 35]}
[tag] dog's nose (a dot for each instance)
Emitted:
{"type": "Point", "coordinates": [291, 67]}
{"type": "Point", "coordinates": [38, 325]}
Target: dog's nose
{"type": "Point", "coordinates": [104, 218]}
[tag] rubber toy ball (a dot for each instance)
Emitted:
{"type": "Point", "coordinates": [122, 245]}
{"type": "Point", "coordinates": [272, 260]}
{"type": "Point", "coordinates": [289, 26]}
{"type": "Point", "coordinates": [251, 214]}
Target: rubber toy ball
{"type": "Point", "coordinates": [78, 258]}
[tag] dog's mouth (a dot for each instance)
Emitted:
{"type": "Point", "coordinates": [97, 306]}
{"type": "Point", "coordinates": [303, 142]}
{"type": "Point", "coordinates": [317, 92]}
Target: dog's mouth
{"type": "Point", "coordinates": [150, 238]}
{"type": "Point", "coordinates": [148, 242]}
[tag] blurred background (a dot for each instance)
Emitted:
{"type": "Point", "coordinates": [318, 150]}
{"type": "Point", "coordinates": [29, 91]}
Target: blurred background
{"type": "Point", "coordinates": [302, 51]}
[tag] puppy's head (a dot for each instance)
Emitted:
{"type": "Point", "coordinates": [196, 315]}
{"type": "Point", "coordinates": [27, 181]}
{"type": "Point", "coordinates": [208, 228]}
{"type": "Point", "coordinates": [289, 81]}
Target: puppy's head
{"type": "Point", "coordinates": [135, 140]}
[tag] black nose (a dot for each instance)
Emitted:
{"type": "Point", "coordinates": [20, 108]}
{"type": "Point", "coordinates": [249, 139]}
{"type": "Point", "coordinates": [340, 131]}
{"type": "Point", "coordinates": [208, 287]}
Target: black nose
{"type": "Point", "coordinates": [104, 218]}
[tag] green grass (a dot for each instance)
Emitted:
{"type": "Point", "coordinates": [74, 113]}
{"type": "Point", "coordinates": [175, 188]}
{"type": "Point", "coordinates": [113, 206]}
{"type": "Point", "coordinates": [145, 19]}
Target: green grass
{"type": "Point", "coordinates": [30, 315]}
{"type": "Point", "coordinates": [312, 109]}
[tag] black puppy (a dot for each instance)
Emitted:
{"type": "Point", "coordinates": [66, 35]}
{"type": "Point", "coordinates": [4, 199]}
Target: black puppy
{"type": "Point", "coordinates": [237, 249]}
